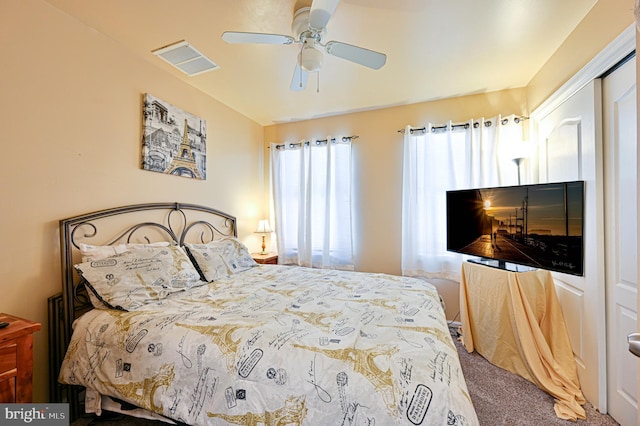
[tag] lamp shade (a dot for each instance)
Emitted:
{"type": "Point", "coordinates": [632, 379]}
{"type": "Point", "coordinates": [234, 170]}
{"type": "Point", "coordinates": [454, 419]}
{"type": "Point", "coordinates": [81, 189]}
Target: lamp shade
{"type": "Point", "coordinates": [310, 58]}
{"type": "Point", "coordinates": [264, 227]}
{"type": "Point", "coordinates": [521, 149]}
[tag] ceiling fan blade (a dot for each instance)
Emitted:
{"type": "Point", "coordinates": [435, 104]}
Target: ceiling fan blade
{"type": "Point", "coordinates": [260, 38]}
{"type": "Point", "coordinates": [356, 54]}
{"type": "Point", "coordinates": [320, 13]}
{"type": "Point", "coordinates": [299, 80]}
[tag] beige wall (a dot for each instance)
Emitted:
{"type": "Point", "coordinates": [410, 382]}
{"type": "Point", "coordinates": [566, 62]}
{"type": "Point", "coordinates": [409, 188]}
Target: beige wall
{"type": "Point", "coordinates": [604, 22]}
{"type": "Point", "coordinates": [70, 114]}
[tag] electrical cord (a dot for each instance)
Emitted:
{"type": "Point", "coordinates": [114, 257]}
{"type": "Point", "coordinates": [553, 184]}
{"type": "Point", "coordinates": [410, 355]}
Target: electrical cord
{"type": "Point", "coordinates": [453, 329]}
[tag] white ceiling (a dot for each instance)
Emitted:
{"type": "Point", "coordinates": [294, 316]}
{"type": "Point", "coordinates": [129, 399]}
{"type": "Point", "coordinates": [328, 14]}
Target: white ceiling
{"type": "Point", "coordinates": [435, 48]}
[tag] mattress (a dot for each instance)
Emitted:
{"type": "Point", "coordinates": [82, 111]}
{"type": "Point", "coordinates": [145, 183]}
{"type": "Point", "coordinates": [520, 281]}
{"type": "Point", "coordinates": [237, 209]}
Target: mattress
{"type": "Point", "coordinates": [279, 345]}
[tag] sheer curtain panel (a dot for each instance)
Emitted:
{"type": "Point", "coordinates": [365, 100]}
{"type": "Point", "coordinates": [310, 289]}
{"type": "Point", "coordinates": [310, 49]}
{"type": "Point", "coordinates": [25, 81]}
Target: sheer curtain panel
{"type": "Point", "coordinates": [312, 203]}
{"type": "Point", "coordinates": [440, 158]}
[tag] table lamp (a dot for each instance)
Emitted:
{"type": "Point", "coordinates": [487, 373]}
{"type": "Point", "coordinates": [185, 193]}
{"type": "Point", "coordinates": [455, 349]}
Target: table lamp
{"type": "Point", "coordinates": [264, 228]}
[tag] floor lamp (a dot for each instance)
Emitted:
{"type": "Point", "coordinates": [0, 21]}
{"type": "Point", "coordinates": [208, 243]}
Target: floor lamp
{"type": "Point", "coordinates": [518, 161]}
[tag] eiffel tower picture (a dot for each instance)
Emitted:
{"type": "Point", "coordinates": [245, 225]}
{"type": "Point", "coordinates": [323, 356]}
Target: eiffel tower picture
{"type": "Point", "coordinates": [173, 141]}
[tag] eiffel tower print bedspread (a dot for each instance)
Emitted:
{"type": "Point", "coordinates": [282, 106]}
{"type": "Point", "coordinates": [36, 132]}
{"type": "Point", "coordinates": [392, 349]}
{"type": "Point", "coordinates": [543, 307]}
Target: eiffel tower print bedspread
{"type": "Point", "coordinates": [280, 345]}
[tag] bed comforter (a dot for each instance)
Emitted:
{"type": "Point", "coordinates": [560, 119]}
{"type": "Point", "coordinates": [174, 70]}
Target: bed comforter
{"type": "Point", "coordinates": [279, 345]}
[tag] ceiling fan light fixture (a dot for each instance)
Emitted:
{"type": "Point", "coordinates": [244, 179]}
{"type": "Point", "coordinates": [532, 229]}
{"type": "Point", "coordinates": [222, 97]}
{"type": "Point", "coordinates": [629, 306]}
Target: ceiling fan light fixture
{"type": "Point", "coordinates": [309, 28]}
{"type": "Point", "coordinates": [310, 58]}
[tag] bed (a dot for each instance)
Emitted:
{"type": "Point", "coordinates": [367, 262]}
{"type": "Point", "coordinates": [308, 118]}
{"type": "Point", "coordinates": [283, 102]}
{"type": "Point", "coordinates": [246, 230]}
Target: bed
{"type": "Point", "coordinates": [164, 314]}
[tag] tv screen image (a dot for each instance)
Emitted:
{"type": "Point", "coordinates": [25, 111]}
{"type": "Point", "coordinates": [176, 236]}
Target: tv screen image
{"type": "Point", "coordinates": [539, 225]}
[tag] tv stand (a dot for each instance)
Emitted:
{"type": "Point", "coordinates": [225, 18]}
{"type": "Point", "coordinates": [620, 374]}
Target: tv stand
{"type": "Point", "coordinates": [501, 264]}
{"type": "Point", "coordinates": [515, 321]}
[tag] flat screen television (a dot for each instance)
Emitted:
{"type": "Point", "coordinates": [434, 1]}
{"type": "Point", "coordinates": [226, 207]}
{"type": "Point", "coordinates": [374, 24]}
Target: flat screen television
{"type": "Point", "coordinates": [539, 226]}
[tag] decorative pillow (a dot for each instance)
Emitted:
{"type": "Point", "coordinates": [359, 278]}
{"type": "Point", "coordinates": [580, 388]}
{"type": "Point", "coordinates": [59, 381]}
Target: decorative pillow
{"type": "Point", "coordinates": [140, 276]}
{"type": "Point", "coordinates": [211, 265]}
{"type": "Point", "coordinates": [90, 252]}
{"type": "Point", "coordinates": [220, 258]}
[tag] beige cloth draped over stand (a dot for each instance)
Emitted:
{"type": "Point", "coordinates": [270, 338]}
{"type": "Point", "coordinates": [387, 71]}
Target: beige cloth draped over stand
{"type": "Point", "coordinates": [514, 320]}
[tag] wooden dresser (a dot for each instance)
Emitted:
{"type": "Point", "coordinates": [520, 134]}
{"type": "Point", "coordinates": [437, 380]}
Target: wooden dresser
{"type": "Point", "coordinates": [16, 359]}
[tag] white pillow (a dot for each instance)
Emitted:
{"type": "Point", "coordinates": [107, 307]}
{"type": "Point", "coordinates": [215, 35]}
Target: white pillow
{"type": "Point", "coordinates": [90, 252]}
{"type": "Point", "coordinates": [130, 280]}
{"type": "Point", "coordinates": [220, 258]}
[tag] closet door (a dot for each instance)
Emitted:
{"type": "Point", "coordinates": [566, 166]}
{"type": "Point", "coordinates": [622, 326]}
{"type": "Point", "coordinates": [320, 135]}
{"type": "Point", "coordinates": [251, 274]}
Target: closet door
{"type": "Point", "coordinates": [621, 230]}
{"type": "Point", "coordinates": [570, 148]}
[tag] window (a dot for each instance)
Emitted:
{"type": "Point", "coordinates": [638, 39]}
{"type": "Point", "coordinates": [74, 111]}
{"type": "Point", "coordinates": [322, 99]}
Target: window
{"type": "Point", "coordinates": [312, 203]}
{"type": "Point", "coordinates": [440, 158]}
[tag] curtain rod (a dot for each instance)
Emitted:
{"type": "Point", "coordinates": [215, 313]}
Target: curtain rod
{"type": "Point", "coordinates": [476, 124]}
{"type": "Point", "coordinates": [317, 142]}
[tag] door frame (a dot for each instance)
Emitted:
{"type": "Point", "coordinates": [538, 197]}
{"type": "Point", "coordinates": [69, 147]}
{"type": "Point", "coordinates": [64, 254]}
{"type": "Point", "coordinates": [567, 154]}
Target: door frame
{"type": "Point", "coordinates": [618, 49]}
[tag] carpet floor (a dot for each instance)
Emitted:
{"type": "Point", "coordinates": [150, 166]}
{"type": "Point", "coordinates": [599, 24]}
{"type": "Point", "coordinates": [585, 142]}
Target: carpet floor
{"type": "Point", "coordinates": [503, 398]}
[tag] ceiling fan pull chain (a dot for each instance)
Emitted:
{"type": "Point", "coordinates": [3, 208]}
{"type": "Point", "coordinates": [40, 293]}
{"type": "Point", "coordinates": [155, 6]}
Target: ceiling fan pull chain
{"type": "Point", "coordinates": [301, 71]}
{"type": "Point", "coordinates": [318, 83]}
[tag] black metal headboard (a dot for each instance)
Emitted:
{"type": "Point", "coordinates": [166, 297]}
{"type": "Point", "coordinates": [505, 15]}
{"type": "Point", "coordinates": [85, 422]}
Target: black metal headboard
{"type": "Point", "coordinates": [139, 223]}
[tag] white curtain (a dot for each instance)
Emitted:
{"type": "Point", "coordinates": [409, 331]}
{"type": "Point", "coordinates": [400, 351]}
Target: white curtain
{"type": "Point", "coordinates": [475, 154]}
{"type": "Point", "coordinates": [312, 203]}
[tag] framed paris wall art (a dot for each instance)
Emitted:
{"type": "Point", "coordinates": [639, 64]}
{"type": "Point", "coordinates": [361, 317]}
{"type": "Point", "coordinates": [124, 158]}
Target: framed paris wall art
{"type": "Point", "coordinates": [173, 140]}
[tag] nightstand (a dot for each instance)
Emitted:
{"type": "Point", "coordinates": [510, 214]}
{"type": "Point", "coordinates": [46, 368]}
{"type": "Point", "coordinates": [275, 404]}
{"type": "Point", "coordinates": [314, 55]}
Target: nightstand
{"type": "Point", "coordinates": [16, 359]}
{"type": "Point", "coordinates": [265, 259]}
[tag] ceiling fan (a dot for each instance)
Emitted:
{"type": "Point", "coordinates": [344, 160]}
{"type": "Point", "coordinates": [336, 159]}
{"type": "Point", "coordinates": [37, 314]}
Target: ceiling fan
{"type": "Point", "coordinates": [309, 28]}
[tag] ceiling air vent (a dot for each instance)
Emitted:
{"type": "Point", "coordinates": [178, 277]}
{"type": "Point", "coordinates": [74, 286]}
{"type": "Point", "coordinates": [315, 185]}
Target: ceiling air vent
{"type": "Point", "coordinates": [186, 58]}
